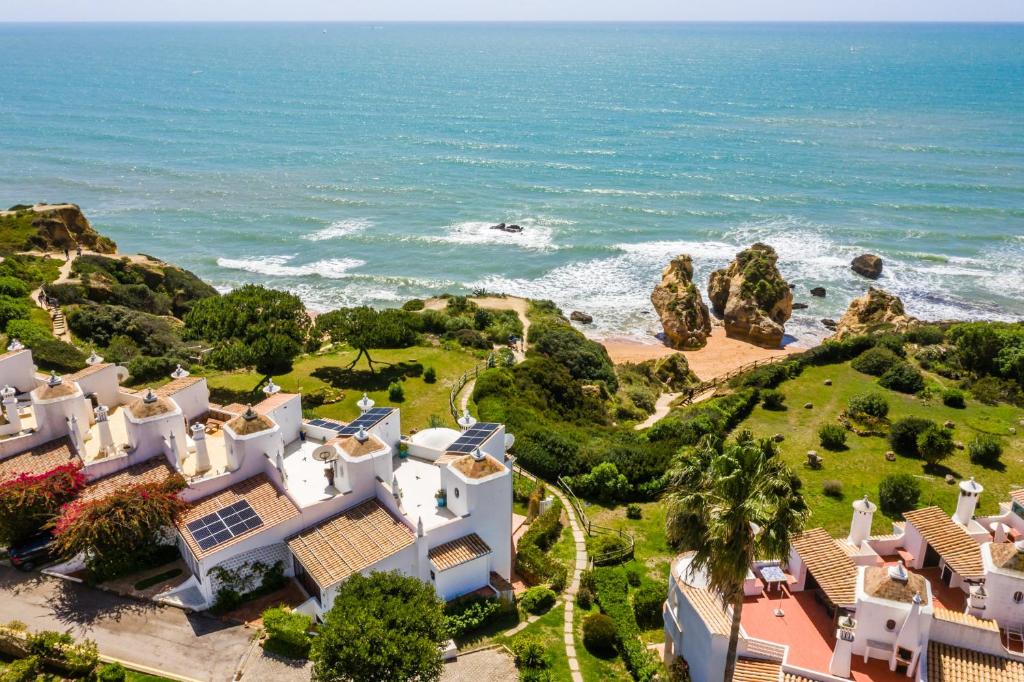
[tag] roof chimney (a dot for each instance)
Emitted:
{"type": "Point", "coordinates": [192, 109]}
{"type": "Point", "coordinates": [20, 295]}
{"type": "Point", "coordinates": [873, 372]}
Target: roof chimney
{"type": "Point", "coordinates": [365, 404]}
{"type": "Point", "coordinates": [271, 388]}
{"type": "Point", "coordinates": [14, 345]}
{"type": "Point", "coordinates": [249, 414]}
{"type": "Point", "coordinates": [150, 397]}
{"type": "Point", "coordinates": [466, 420]}
{"type": "Point", "coordinates": [54, 380]}
{"type": "Point", "coordinates": [179, 372]}
{"type": "Point", "coordinates": [361, 435]}
{"type": "Point", "coordinates": [94, 359]}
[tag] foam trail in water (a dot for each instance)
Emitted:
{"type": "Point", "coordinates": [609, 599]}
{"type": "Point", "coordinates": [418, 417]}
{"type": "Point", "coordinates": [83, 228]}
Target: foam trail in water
{"type": "Point", "coordinates": [278, 266]}
{"type": "Point", "coordinates": [339, 229]}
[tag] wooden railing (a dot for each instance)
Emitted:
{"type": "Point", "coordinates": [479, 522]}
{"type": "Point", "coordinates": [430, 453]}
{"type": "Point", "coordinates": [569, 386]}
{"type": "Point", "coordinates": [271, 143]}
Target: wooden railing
{"type": "Point", "coordinates": [611, 556]}
{"type": "Point", "coordinates": [691, 393]}
{"type": "Point", "coordinates": [460, 383]}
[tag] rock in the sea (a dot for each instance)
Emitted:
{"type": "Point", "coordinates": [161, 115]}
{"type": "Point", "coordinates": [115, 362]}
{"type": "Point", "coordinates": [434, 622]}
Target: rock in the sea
{"type": "Point", "coordinates": [684, 315]}
{"type": "Point", "coordinates": [54, 227]}
{"type": "Point", "coordinates": [876, 311]}
{"type": "Point", "coordinates": [581, 317]}
{"type": "Point", "coordinates": [800, 306]}
{"type": "Point", "coordinates": [752, 297]}
{"type": "Point", "coordinates": [867, 265]}
{"type": "Point", "coordinates": [829, 323]}
{"type": "Point", "coordinates": [818, 292]}
{"type": "Point", "coordinates": [507, 228]}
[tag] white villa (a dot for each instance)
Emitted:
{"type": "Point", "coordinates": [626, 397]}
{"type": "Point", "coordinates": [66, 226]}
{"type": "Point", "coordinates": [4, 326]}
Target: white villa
{"type": "Point", "coordinates": [327, 499]}
{"type": "Point", "coordinates": [940, 599]}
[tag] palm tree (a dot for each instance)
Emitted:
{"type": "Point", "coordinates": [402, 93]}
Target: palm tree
{"type": "Point", "coordinates": [729, 503]}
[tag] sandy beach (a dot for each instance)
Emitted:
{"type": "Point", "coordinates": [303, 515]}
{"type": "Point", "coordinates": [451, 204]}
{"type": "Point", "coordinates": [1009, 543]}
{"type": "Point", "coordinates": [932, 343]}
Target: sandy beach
{"type": "Point", "coordinates": [721, 354]}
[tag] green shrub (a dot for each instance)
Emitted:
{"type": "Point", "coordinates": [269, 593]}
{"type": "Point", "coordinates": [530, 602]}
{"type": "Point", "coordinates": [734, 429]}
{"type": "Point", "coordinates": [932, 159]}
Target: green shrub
{"type": "Point", "coordinates": [832, 436]}
{"type": "Point", "coordinates": [875, 361]}
{"type": "Point", "coordinates": [535, 675]}
{"type": "Point", "coordinates": [529, 651]}
{"type": "Point", "coordinates": [985, 449]}
{"type": "Point", "coordinates": [396, 392]}
{"type": "Point", "coordinates": [904, 432]}
{"type": "Point", "coordinates": [413, 305]}
{"type": "Point", "coordinates": [111, 672]}
{"type": "Point", "coordinates": [613, 598]}
{"type": "Point", "coordinates": [902, 377]}
{"type": "Point", "coordinates": [772, 399]}
{"type": "Point", "coordinates": [12, 309]}
{"type": "Point", "coordinates": [647, 603]}
{"type": "Point", "coordinates": [537, 600]}
{"type": "Point", "coordinates": [925, 335]}
{"type": "Point", "coordinates": [429, 375]}
{"type": "Point", "coordinates": [633, 511]}
{"type": "Point", "coordinates": [634, 576]}
{"type": "Point", "coordinates": [471, 612]}
{"type": "Point", "coordinates": [766, 376]}
{"type": "Point", "coordinates": [584, 598]}
{"type": "Point", "coordinates": [607, 548]}
{"type": "Point", "coordinates": [832, 488]}
{"type": "Point", "coordinates": [934, 444]}
{"type": "Point", "coordinates": [868, 404]}
{"type": "Point", "coordinates": [13, 287]}
{"type": "Point", "coordinates": [49, 643]}
{"type": "Point", "coordinates": [532, 561]}
{"type": "Point", "coordinates": [599, 635]}
{"type": "Point", "coordinates": [898, 493]}
{"type": "Point", "coordinates": [286, 632]}
{"type": "Point", "coordinates": [23, 670]}
{"type": "Point", "coordinates": [954, 397]}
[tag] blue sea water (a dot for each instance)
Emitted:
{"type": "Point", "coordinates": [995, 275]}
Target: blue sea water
{"type": "Point", "coordinates": [359, 163]}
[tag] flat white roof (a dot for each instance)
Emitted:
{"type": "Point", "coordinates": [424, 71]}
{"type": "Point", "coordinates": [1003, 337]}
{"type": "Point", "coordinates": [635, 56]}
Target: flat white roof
{"type": "Point", "coordinates": [418, 482]}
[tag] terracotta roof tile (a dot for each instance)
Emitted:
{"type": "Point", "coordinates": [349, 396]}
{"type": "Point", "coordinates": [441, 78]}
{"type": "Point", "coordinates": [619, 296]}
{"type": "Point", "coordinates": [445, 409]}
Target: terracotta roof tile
{"type": "Point", "coordinates": [965, 619]}
{"type": "Point", "coordinates": [272, 505]}
{"type": "Point", "coordinates": [350, 542]}
{"type": "Point", "coordinates": [90, 369]}
{"type": "Point", "coordinates": [153, 470]}
{"type": "Point", "coordinates": [708, 607]}
{"type": "Point", "coordinates": [176, 386]}
{"type": "Point", "coordinates": [951, 541]}
{"type": "Point", "coordinates": [751, 670]}
{"type": "Point", "coordinates": [458, 551]}
{"type": "Point", "coordinates": [38, 460]}
{"type": "Point", "coordinates": [948, 663]}
{"type": "Point", "coordinates": [1017, 496]}
{"type": "Point", "coordinates": [831, 567]}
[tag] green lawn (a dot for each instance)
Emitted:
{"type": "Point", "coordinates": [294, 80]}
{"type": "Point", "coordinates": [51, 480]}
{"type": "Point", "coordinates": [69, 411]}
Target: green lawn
{"type": "Point", "coordinates": [549, 628]}
{"type": "Point", "coordinates": [328, 372]}
{"type": "Point", "coordinates": [862, 465]}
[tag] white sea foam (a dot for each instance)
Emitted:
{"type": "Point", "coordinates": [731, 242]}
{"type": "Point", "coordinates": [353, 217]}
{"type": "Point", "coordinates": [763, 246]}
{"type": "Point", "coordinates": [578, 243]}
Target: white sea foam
{"type": "Point", "coordinates": [537, 234]}
{"type": "Point", "coordinates": [279, 266]}
{"type": "Point", "coordinates": [339, 229]}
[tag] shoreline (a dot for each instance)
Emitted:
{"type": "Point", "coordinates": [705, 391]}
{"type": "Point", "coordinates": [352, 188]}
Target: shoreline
{"type": "Point", "coordinates": [721, 355]}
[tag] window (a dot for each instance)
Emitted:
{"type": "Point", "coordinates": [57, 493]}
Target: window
{"type": "Point", "coordinates": [890, 625]}
{"type": "Point", "coordinates": [456, 492]}
{"type": "Point", "coordinates": [1018, 597]}
{"type": "Point", "coordinates": [432, 576]}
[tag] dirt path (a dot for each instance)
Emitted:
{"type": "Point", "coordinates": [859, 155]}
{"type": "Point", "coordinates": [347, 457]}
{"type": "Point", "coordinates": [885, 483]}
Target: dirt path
{"type": "Point", "coordinates": [663, 406]}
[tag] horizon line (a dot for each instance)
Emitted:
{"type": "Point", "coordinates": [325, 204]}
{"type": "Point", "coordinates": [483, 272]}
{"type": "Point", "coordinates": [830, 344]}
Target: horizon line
{"type": "Point", "coordinates": [9, 22]}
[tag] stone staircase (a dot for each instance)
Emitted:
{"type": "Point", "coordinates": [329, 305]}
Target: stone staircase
{"type": "Point", "coordinates": [60, 325]}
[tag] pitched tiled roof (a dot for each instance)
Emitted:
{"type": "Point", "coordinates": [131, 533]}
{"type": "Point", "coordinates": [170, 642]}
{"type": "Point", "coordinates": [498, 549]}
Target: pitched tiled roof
{"type": "Point", "coordinates": [38, 460]}
{"type": "Point", "coordinates": [951, 541]}
{"type": "Point", "coordinates": [350, 542]}
{"type": "Point", "coordinates": [948, 663]}
{"type": "Point", "coordinates": [273, 508]}
{"type": "Point", "coordinates": [273, 402]}
{"type": "Point", "coordinates": [965, 619]}
{"type": "Point", "coordinates": [831, 567]}
{"type": "Point", "coordinates": [458, 551]}
{"type": "Point", "coordinates": [153, 470]}
{"type": "Point", "coordinates": [89, 369]}
{"type": "Point", "coordinates": [176, 385]}
{"type": "Point", "coordinates": [1017, 496]}
{"type": "Point", "coordinates": [708, 607]}
{"type": "Point", "coordinates": [1005, 555]}
{"type": "Point", "coordinates": [751, 670]}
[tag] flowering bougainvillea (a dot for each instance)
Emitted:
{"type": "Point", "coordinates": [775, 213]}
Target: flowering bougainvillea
{"type": "Point", "coordinates": [122, 531]}
{"type": "Point", "coordinates": [30, 501]}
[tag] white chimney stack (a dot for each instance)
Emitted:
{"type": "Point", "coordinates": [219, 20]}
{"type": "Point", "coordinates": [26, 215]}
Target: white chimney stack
{"type": "Point", "coordinates": [860, 525]}
{"type": "Point", "coordinates": [365, 404]}
{"type": "Point", "coordinates": [968, 501]}
{"type": "Point", "coordinates": [842, 654]}
{"type": "Point", "coordinates": [202, 451]}
{"type": "Point", "coordinates": [976, 601]}
{"type": "Point", "coordinates": [103, 426]}
{"type": "Point", "coordinates": [10, 397]}
{"type": "Point", "coordinates": [998, 531]}
{"type": "Point", "coordinates": [75, 433]}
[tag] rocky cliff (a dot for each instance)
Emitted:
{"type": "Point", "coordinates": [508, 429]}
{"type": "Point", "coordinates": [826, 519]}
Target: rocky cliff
{"type": "Point", "coordinates": [50, 227]}
{"type": "Point", "coordinates": [874, 312]}
{"type": "Point", "coordinates": [684, 315]}
{"type": "Point", "coordinates": [751, 297]}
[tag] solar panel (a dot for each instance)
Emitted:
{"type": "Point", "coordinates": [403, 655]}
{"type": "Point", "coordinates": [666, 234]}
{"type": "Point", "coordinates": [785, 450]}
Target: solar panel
{"type": "Point", "coordinates": [367, 420]}
{"type": "Point", "coordinates": [473, 437]}
{"type": "Point", "coordinates": [224, 524]}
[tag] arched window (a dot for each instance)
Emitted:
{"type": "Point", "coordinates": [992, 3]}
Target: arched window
{"type": "Point", "coordinates": [890, 625]}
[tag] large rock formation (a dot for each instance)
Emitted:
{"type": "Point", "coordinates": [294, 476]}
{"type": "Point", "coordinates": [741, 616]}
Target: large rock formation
{"type": "Point", "coordinates": [875, 312]}
{"type": "Point", "coordinates": [752, 297]}
{"type": "Point", "coordinates": [46, 227]}
{"type": "Point", "coordinates": [867, 265]}
{"type": "Point", "coordinates": [684, 316]}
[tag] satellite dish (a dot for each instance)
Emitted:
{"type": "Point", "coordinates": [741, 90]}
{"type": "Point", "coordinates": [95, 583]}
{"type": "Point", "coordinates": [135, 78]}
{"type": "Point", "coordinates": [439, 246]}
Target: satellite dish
{"type": "Point", "coordinates": [510, 440]}
{"type": "Point", "coordinates": [326, 454]}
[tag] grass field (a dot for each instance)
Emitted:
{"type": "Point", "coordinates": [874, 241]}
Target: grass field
{"type": "Point", "coordinates": [327, 372]}
{"type": "Point", "coordinates": [862, 465]}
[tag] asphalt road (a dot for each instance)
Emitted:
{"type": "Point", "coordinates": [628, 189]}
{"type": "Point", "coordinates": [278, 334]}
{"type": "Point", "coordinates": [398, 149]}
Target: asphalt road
{"type": "Point", "coordinates": [161, 637]}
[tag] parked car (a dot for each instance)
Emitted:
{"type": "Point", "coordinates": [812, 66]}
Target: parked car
{"type": "Point", "coordinates": [36, 550]}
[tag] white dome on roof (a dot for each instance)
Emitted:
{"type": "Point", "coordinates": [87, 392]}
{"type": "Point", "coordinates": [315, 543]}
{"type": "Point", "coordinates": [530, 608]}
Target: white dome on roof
{"type": "Point", "coordinates": [436, 439]}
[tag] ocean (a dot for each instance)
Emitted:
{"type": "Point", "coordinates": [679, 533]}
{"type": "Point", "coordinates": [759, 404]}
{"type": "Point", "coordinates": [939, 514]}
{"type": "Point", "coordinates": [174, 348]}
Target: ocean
{"type": "Point", "coordinates": [360, 163]}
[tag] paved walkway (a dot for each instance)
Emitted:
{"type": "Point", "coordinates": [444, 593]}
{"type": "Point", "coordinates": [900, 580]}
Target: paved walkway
{"type": "Point", "coordinates": [490, 665]}
{"type": "Point", "coordinates": [187, 646]}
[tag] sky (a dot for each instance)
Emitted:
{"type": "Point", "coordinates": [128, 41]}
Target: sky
{"type": "Point", "coordinates": [511, 10]}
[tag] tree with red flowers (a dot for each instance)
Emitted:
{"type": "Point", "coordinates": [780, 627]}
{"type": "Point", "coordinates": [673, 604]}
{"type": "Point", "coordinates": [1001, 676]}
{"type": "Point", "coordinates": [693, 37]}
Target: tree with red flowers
{"type": "Point", "coordinates": [30, 501]}
{"type": "Point", "coordinates": [122, 531]}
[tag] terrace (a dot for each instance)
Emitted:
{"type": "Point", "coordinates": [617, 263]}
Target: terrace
{"type": "Point", "coordinates": [419, 481]}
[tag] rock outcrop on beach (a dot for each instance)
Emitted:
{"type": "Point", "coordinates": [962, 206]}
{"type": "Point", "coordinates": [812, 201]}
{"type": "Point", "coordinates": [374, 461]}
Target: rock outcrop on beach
{"type": "Point", "coordinates": [54, 227]}
{"type": "Point", "coordinates": [677, 300]}
{"type": "Point", "coordinates": [875, 312]}
{"type": "Point", "coordinates": [752, 298]}
{"type": "Point", "coordinates": [581, 317]}
{"type": "Point", "coordinates": [867, 265]}
{"type": "Point", "coordinates": [818, 292]}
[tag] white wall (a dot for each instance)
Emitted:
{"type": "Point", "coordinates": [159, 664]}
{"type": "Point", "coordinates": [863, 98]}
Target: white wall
{"type": "Point", "coordinates": [690, 638]}
{"type": "Point", "coordinates": [151, 436]}
{"type": "Point", "coordinates": [18, 370]}
{"type": "Point", "coordinates": [102, 382]}
{"type": "Point", "coordinates": [288, 418]}
{"type": "Point", "coordinates": [401, 561]}
{"type": "Point", "coordinates": [999, 604]}
{"type": "Point", "coordinates": [462, 579]}
{"type": "Point", "coordinates": [193, 400]}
